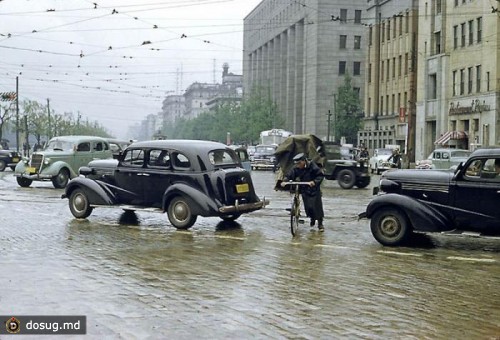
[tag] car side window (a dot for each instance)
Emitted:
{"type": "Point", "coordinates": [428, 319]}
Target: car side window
{"type": "Point", "coordinates": [181, 162]}
{"type": "Point", "coordinates": [160, 158]}
{"type": "Point", "coordinates": [437, 155]}
{"type": "Point", "coordinates": [474, 169]}
{"type": "Point", "coordinates": [98, 146]}
{"type": "Point", "coordinates": [218, 157]}
{"type": "Point", "coordinates": [446, 155]}
{"type": "Point", "coordinates": [133, 158]}
{"type": "Point", "coordinates": [83, 147]}
{"type": "Point", "coordinates": [491, 170]}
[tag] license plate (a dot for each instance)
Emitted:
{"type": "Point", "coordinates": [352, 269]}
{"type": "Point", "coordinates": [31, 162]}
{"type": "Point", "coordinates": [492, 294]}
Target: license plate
{"type": "Point", "coordinates": [15, 159]}
{"type": "Point", "coordinates": [31, 170]}
{"type": "Point", "coordinates": [241, 188]}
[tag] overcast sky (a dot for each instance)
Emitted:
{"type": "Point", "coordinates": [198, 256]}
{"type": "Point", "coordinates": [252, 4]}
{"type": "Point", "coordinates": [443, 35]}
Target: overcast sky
{"type": "Point", "coordinates": [115, 61]}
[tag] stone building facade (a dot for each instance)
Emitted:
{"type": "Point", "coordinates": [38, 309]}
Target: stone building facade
{"type": "Point", "coordinates": [458, 72]}
{"type": "Point", "coordinates": [391, 81]}
{"type": "Point", "coordinates": [301, 51]}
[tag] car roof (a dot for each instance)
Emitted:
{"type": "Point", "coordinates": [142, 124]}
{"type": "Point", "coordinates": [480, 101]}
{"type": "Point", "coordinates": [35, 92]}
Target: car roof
{"type": "Point", "coordinates": [450, 149]}
{"type": "Point", "coordinates": [181, 144]}
{"type": "Point", "coordinates": [489, 151]}
{"type": "Point", "coordinates": [77, 138]}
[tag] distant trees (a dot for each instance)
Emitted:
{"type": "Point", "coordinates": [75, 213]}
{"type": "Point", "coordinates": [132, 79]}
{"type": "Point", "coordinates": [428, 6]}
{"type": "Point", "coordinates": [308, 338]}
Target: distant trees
{"type": "Point", "coordinates": [243, 121]}
{"type": "Point", "coordinates": [348, 113]}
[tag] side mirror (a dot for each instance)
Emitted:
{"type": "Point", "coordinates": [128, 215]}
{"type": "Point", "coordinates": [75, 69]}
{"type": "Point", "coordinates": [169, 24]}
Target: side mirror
{"type": "Point", "coordinates": [86, 171]}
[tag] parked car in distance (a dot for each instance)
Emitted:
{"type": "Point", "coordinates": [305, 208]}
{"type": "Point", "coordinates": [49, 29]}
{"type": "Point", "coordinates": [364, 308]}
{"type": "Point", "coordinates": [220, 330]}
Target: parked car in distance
{"type": "Point", "coordinates": [443, 159]}
{"type": "Point", "coordinates": [9, 158]}
{"type": "Point", "coordinates": [184, 178]}
{"type": "Point", "coordinates": [263, 157]}
{"type": "Point", "coordinates": [117, 146]}
{"type": "Point", "coordinates": [378, 162]}
{"type": "Point", "coordinates": [465, 200]}
{"type": "Point", "coordinates": [61, 159]}
{"type": "Point", "coordinates": [251, 150]}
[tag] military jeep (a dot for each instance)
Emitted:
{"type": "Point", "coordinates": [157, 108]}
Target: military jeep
{"type": "Point", "coordinates": [328, 155]}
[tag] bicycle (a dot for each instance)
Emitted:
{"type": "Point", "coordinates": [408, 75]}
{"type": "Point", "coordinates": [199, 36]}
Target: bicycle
{"type": "Point", "coordinates": [295, 206]}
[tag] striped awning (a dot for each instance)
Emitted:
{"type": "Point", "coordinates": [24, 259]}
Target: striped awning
{"type": "Point", "coordinates": [447, 136]}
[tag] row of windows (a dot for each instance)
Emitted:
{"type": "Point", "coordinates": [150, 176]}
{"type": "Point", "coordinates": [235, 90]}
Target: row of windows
{"type": "Point", "coordinates": [356, 68]}
{"type": "Point", "coordinates": [464, 80]}
{"type": "Point", "coordinates": [398, 66]}
{"type": "Point", "coordinates": [463, 34]}
{"type": "Point", "coordinates": [398, 21]}
{"type": "Point", "coordinates": [393, 103]}
{"type": "Point", "coordinates": [343, 42]}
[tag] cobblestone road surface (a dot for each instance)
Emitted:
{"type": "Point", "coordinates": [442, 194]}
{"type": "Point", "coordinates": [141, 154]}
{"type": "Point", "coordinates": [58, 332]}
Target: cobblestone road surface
{"type": "Point", "coordinates": [248, 280]}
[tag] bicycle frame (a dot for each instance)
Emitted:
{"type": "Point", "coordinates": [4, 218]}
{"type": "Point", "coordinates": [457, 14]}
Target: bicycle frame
{"type": "Point", "coordinates": [295, 206]}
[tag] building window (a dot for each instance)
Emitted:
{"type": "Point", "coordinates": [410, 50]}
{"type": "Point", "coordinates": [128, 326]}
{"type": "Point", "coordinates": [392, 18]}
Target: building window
{"type": "Point", "coordinates": [356, 68]}
{"type": "Point", "coordinates": [357, 16]}
{"type": "Point", "coordinates": [388, 29]}
{"type": "Point", "coordinates": [438, 6]}
{"type": "Point", "coordinates": [407, 22]}
{"type": "Point", "coordinates": [455, 37]}
{"type": "Point", "coordinates": [454, 83]}
{"type": "Point", "coordinates": [382, 70]}
{"type": "Point", "coordinates": [406, 64]}
{"type": "Point", "coordinates": [469, 84]}
{"type": "Point", "coordinates": [479, 29]}
{"type": "Point", "coordinates": [394, 28]}
{"type": "Point", "coordinates": [394, 67]}
{"type": "Point", "coordinates": [382, 105]}
{"type": "Point", "coordinates": [437, 38]}
{"type": "Point", "coordinates": [370, 33]}
{"type": "Point", "coordinates": [487, 81]}
{"type": "Point", "coordinates": [343, 15]}
{"type": "Point", "coordinates": [478, 78]}
{"type": "Point", "coordinates": [462, 81]}
{"type": "Point", "coordinates": [432, 86]}
{"type": "Point", "coordinates": [400, 62]}
{"type": "Point", "coordinates": [357, 90]}
{"type": "Point", "coordinates": [456, 3]}
{"type": "Point", "coordinates": [393, 102]}
{"type": "Point", "coordinates": [462, 26]}
{"type": "Point", "coordinates": [388, 69]}
{"type": "Point", "coordinates": [400, 24]}
{"type": "Point", "coordinates": [343, 41]}
{"type": "Point", "coordinates": [342, 67]}
{"type": "Point", "coordinates": [471, 32]}
{"type": "Point", "coordinates": [370, 73]}
{"type": "Point", "coordinates": [382, 32]}
{"type": "Point", "coordinates": [357, 42]}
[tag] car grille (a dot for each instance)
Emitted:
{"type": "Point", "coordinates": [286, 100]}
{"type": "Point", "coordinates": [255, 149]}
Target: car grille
{"type": "Point", "coordinates": [36, 162]}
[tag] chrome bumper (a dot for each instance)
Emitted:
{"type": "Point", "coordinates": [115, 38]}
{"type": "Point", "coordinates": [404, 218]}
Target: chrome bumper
{"type": "Point", "coordinates": [243, 207]}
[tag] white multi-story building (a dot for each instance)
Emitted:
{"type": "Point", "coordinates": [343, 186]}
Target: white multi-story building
{"type": "Point", "coordinates": [301, 51]}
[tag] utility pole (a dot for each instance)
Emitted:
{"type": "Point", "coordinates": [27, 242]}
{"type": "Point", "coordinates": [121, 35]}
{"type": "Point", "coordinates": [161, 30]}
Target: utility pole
{"type": "Point", "coordinates": [328, 131]}
{"type": "Point", "coordinates": [17, 114]}
{"type": "Point", "coordinates": [49, 133]}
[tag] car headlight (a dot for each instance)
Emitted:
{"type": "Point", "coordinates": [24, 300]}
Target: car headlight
{"type": "Point", "coordinates": [380, 161]}
{"type": "Point", "coordinates": [46, 161]}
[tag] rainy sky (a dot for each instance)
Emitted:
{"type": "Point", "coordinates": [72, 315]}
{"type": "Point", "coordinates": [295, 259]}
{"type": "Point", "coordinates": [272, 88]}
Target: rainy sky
{"type": "Point", "coordinates": [114, 61]}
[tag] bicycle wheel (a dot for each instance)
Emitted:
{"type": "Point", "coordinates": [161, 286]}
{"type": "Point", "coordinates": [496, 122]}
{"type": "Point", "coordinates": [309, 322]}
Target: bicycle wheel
{"type": "Point", "coordinates": [294, 216]}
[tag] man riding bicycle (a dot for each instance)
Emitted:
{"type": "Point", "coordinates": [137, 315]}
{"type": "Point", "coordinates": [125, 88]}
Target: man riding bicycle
{"type": "Point", "coordinates": [308, 171]}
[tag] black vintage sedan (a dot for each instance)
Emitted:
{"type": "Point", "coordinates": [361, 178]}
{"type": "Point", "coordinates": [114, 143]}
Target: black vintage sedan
{"type": "Point", "coordinates": [184, 178]}
{"type": "Point", "coordinates": [463, 200]}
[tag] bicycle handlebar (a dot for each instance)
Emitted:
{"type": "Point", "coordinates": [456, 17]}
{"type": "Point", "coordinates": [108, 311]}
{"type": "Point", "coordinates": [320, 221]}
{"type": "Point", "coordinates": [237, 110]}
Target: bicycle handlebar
{"type": "Point", "coordinates": [296, 183]}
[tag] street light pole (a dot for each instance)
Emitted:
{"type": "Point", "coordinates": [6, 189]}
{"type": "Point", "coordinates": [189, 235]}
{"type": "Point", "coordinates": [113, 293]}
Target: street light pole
{"type": "Point", "coordinates": [17, 114]}
{"type": "Point", "coordinates": [328, 131]}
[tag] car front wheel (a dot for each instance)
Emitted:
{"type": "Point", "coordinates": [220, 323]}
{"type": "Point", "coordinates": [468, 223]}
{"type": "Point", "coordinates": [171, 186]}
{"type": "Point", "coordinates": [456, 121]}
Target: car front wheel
{"type": "Point", "coordinates": [61, 179]}
{"type": "Point", "coordinates": [180, 214]}
{"type": "Point", "coordinates": [390, 227]}
{"type": "Point", "coordinates": [346, 178]}
{"type": "Point", "coordinates": [3, 165]}
{"type": "Point", "coordinates": [24, 182]}
{"type": "Point", "coordinates": [79, 204]}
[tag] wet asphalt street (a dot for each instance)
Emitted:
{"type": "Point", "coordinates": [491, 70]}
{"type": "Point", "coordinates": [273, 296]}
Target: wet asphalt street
{"type": "Point", "coordinates": [246, 280]}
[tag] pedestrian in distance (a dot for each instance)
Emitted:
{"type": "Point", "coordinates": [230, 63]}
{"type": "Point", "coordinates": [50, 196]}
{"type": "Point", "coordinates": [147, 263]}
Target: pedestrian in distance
{"type": "Point", "coordinates": [396, 158]}
{"type": "Point", "coordinates": [306, 170]}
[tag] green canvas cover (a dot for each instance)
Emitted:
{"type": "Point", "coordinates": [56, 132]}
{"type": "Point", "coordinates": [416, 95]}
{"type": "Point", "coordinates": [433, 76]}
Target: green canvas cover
{"type": "Point", "coordinates": [308, 144]}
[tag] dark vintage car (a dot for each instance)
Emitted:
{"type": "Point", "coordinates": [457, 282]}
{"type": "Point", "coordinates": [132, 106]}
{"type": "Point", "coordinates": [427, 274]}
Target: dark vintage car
{"type": "Point", "coordinates": [9, 158]}
{"type": "Point", "coordinates": [464, 200]}
{"type": "Point", "coordinates": [184, 178]}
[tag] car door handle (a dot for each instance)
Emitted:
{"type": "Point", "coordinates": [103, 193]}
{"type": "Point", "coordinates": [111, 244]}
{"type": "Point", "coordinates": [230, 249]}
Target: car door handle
{"type": "Point", "coordinates": [143, 174]}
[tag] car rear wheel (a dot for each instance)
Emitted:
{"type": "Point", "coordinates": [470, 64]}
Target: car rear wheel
{"type": "Point", "coordinates": [180, 214]}
{"type": "Point", "coordinates": [390, 227]}
{"type": "Point", "coordinates": [61, 179]}
{"type": "Point", "coordinates": [24, 182]}
{"type": "Point", "coordinates": [3, 165]}
{"type": "Point", "coordinates": [79, 204]}
{"type": "Point", "coordinates": [232, 217]}
{"type": "Point", "coordinates": [346, 178]}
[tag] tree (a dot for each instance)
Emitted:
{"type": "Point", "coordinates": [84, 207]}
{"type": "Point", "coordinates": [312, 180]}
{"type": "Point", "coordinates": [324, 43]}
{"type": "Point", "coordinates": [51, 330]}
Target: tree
{"type": "Point", "coordinates": [37, 119]}
{"type": "Point", "coordinates": [348, 112]}
{"type": "Point", "coordinates": [5, 116]}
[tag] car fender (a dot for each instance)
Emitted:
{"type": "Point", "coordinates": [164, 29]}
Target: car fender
{"type": "Point", "coordinates": [96, 193]}
{"type": "Point", "coordinates": [20, 167]}
{"type": "Point", "coordinates": [202, 204]}
{"type": "Point", "coordinates": [54, 168]}
{"type": "Point", "coordinates": [422, 216]}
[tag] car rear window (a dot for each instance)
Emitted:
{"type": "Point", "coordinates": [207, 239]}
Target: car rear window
{"type": "Point", "coordinates": [222, 157]}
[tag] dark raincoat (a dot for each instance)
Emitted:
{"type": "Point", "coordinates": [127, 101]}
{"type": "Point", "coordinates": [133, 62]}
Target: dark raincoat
{"type": "Point", "coordinates": [311, 196]}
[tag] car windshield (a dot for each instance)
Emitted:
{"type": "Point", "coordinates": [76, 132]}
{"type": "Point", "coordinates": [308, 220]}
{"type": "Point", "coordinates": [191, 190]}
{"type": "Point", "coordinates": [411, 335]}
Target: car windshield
{"type": "Point", "coordinates": [59, 145]}
{"type": "Point", "coordinates": [385, 151]}
{"type": "Point", "coordinates": [462, 154]}
{"type": "Point", "coordinates": [265, 149]}
{"type": "Point", "coordinates": [222, 157]}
